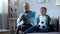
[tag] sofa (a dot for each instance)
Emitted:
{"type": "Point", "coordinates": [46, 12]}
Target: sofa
{"type": "Point", "coordinates": [55, 21]}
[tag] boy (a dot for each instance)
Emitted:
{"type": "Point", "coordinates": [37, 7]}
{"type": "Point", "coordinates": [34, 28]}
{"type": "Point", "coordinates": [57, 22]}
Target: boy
{"type": "Point", "coordinates": [43, 18]}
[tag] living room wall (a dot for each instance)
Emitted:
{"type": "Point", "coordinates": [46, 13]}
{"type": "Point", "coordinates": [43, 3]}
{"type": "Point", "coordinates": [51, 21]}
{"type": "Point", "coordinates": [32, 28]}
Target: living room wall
{"type": "Point", "coordinates": [3, 14]}
{"type": "Point", "coordinates": [52, 8]}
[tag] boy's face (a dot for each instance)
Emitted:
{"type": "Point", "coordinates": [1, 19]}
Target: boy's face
{"type": "Point", "coordinates": [43, 11]}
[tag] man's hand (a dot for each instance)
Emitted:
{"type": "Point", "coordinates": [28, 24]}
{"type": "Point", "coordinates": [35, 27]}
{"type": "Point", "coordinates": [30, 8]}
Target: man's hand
{"type": "Point", "coordinates": [24, 15]}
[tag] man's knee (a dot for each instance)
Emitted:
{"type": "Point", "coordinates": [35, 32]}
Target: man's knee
{"type": "Point", "coordinates": [19, 28]}
{"type": "Point", "coordinates": [24, 27]}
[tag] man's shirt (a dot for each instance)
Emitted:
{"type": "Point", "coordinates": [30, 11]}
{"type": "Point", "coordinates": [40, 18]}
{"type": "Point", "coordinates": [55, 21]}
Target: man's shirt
{"type": "Point", "coordinates": [31, 17]}
{"type": "Point", "coordinates": [18, 20]}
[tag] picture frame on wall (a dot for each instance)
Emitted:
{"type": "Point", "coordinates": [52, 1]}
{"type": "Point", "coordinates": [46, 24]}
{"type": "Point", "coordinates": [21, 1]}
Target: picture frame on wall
{"type": "Point", "coordinates": [40, 1]}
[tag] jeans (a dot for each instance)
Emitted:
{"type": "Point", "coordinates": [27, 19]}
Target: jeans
{"type": "Point", "coordinates": [36, 28]}
{"type": "Point", "coordinates": [22, 28]}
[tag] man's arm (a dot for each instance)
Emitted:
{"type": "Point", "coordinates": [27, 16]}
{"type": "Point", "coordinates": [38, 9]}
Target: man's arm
{"type": "Point", "coordinates": [23, 16]}
{"type": "Point", "coordinates": [21, 19]}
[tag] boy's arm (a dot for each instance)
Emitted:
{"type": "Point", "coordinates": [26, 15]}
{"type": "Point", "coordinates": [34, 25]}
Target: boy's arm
{"type": "Point", "coordinates": [50, 22]}
{"type": "Point", "coordinates": [38, 20]}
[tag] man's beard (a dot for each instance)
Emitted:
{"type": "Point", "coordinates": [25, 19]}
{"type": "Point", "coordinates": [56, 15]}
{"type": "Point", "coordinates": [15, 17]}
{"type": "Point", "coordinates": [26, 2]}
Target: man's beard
{"type": "Point", "coordinates": [26, 11]}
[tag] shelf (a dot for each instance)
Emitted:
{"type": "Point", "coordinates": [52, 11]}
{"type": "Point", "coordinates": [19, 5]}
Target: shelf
{"type": "Point", "coordinates": [12, 18]}
{"type": "Point", "coordinates": [12, 23]}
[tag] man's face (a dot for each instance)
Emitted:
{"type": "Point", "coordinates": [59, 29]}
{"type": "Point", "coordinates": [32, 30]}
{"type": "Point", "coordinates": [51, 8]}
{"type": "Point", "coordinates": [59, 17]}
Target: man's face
{"type": "Point", "coordinates": [26, 7]}
{"type": "Point", "coordinates": [43, 11]}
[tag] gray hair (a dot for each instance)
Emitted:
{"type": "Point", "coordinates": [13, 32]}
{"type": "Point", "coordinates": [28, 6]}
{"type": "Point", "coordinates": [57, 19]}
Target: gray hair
{"type": "Point", "coordinates": [26, 4]}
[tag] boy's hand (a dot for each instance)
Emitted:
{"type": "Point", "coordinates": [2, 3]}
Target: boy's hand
{"type": "Point", "coordinates": [51, 23]}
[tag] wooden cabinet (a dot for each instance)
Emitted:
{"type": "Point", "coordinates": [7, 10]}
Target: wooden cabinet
{"type": "Point", "coordinates": [12, 24]}
{"type": "Point", "coordinates": [13, 11]}
{"type": "Point", "coordinates": [13, 8]}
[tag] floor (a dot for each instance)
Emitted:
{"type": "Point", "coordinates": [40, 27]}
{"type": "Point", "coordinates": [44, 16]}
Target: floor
{"type": "Point", "coordinates": [13, 32]}
{"type": "Point", "coordinates": [46, 33]}
{"type": "Point", "coordinates": [5, 31]}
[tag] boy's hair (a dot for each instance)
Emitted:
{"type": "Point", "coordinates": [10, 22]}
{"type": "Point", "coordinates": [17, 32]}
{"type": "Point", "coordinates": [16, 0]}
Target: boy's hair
{"type": "Point", "coordinates": [44, 8]}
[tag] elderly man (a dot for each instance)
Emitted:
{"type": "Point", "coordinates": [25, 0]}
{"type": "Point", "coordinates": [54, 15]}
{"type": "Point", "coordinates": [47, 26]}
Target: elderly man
{"type": "Point", "coordinates": [28, 19]}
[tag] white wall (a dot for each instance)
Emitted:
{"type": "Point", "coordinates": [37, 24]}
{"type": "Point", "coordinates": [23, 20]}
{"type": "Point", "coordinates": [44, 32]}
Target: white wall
{"type": "Point", "coordinates": [53, 10]}
{"type": "Point", "coordinates": [4, 14]}
{"type": "Point", "coordinates": [1, 6]}
{"type": "Point", "coordinates": [21, 2]}
{"type": "Point", "coordinates": [1, 10]}
{"type": "Point", "coordinates": [5, 6]}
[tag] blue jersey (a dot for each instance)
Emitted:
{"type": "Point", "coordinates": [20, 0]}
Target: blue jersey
{"type": "Point", "coordinates": [29, 16]}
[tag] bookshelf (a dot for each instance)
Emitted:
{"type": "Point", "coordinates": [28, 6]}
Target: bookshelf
{"type": "Point", "coordinates": [12, 16]}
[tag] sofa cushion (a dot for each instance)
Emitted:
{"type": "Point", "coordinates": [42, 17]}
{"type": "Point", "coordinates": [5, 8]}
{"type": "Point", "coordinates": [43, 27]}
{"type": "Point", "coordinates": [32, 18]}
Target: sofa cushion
{"type": "Point", "coordinates": [55, 22]}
